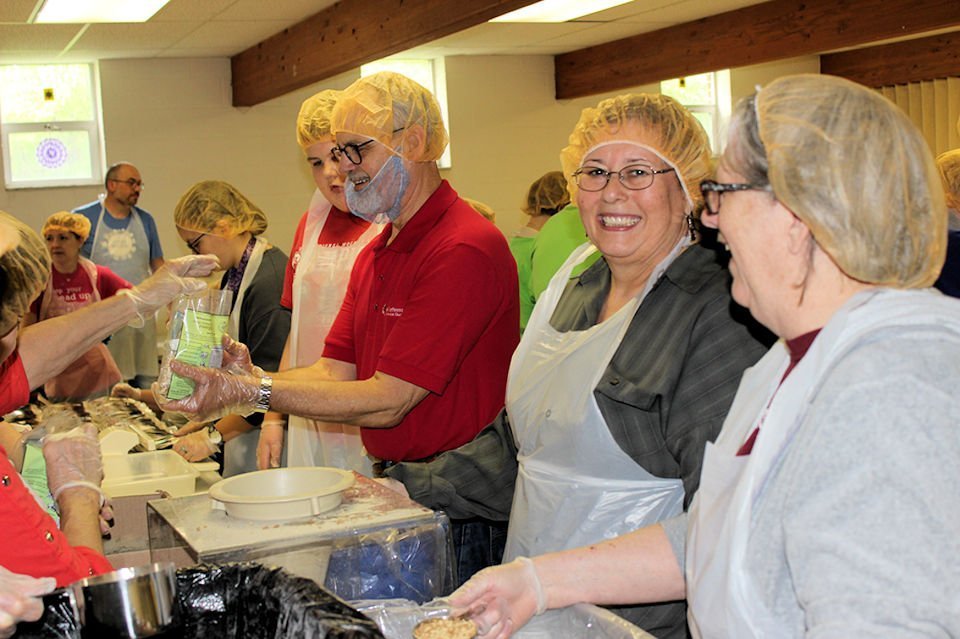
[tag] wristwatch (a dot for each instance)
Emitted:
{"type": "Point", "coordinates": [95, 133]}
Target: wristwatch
{"type": "Point", "coordinates": [266, 390]}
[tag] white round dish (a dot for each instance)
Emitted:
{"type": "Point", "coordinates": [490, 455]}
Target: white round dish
{"type": "Point", "coordinates": [282, 493]}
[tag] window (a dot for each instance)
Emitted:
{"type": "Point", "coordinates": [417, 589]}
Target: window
{"type": "Point", "coordinates": [428, 73]}
{"type": "Point", "coordinates": [50, 125]}
{"type": "Point", "coordinates": [707, 96]}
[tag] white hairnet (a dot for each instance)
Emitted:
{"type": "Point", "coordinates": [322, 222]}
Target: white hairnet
{"type": "Point", "coordinates": [386, 104]}
{"type": "Point", "coordinates": [949, 165]}
{"type": "Point", "coordinates": [207, 203]}
{"type": "Point", "coordinates": [75, 223]}
{"type": "Point", "coordinates": [313, 120]}
{"type": "Point", "coordinates": [852, 166]}
{"type": "Point", "coordinates": [24, 269]}
{"type": "Point", "coordinates": [654, 120]}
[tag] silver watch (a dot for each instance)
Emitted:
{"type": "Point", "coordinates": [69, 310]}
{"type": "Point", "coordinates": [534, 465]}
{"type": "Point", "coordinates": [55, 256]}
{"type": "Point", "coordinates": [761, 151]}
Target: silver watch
{"type": "Point", "coordinates": [266, 391]}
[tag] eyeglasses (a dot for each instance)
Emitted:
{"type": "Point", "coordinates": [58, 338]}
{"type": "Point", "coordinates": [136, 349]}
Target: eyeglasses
{"type": "Point", "coordinates": [133, 183]}
{"type": "Point", "coordinates": [351, 150]}
{"type": "Point", "coordinates": [635, 177]}
{"type": "Point", "coordinates": [712, 190]}
{"type": "Point", "coordinates": [194, 244]}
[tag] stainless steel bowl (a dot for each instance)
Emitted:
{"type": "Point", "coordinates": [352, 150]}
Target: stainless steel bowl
{"type": "Point", "coordinates": [129, 602]}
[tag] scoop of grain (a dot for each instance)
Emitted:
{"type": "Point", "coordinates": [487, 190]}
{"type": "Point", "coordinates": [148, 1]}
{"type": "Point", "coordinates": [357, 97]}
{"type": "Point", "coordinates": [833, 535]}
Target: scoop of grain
{"type": "Point", "coordinates": [445, 629]}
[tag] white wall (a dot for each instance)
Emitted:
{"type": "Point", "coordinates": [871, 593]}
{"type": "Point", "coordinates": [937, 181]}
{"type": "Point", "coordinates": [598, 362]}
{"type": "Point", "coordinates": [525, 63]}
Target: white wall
{"type": "Point", "coordinates": [174, 120]}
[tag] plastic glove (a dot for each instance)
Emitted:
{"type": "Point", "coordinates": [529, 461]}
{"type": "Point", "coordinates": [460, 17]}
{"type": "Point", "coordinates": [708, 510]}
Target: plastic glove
{"type": "Point", "coordinates": [73, 460]}
{"type": "Point", "coordinates": [190, 427]}
{"type": "Point", "coordinates": [216, 393]}
{"type": "Point", "coordinates": [175, 277]}
{"type": "Point", "coordinates": [270, 444]}
{"type": "Point", "coordinates": [236, 358]}
{"type": "Point", "coordinates": [501, 599]}
{"type": "Point", "coordinates": [195, 446]}
{"type": "Point", "coordinates": [20, 599]}
{"type": "Point", "coordinates": [125, 390]}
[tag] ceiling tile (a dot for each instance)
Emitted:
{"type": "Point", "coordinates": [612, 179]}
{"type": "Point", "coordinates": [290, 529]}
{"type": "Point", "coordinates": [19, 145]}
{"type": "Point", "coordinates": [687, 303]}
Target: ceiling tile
{"type": "Point", "coordinates": [235, 36]}
{"type": "Point", "coordinates": [48, 37]}
{"type": "Point", "coordinates": [16, 10]}
{"type": "Point", "coordinates": [192, 10]}
{"type": "Point", "coordinates": [133, 37]}
{"type": "Point", "coordinates": [292, 10]}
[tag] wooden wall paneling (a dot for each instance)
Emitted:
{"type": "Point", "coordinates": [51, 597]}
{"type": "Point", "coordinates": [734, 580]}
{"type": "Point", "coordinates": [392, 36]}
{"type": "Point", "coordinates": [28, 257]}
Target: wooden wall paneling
{"type": "Point", "coordinates": [898, 63]}
{"type": "Point", "coordinates": [346, 35]}
{"type": "Point", "coordinates": [760, 33]}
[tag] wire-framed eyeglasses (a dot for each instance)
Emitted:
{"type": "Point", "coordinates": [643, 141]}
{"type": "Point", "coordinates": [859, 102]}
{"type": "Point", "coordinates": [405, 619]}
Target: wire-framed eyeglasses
{"type": "Point", "coordinates": [133, 183]}
{"type": "Point", "coordinates": [350, 150]}
{"type": "Point", "coordinates": [635, 177]}
{"type": "Point", "coordinates": [194, 244]}
{"type": "Point", "coordinates": [712, 190]}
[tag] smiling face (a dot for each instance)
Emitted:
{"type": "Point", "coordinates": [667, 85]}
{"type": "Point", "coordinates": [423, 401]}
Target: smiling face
{"type": "Point", "coordinates": [64, 248]}
{"type": "Point", "coordinates": [632, 226]}
{"type": "Point", "coordinates": [373, 155]}
{"type": "Point", "coordinates": [326, 173]}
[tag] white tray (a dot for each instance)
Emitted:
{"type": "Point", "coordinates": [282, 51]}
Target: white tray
{"type": "Point", "coordinates": [143, 473]}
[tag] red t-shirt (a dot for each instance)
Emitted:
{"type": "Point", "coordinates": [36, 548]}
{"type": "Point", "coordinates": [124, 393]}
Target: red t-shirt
{"type": "Point", "coordinates": [438, 308]}
{"type": "Point", "coordinates": [76, 289]}
{"type": "Point", "coordinates": [339, 229]}
{"type": "Point", "coordinates": [32, 543]}
{"type": "Point", "coordinates": [14, 387]}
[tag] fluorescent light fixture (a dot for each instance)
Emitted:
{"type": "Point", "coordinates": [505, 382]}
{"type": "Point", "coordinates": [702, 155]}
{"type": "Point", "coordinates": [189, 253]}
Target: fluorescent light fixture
{"type": "Point", "coordinates": [85, 11]}
{"type": "Point", "coordinates": [558, 10]}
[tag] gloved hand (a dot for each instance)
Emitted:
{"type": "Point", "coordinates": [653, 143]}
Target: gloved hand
{"type": "Point", "coordinates": [195, 446]}
{"type": "Point", "coordinates": [20, 599]}
{"type": "Point", "coordinates": [270, 444]}
{"type": "Point", "coordinates": [175, 277]}
{"type": "Point", "coordinates": [216, 393]}
{"type": "Point", "coordinates": [189, 427]}
{"type": "Point", "coordinates": [236, 358]}
{"type": "Point", "coordinates": [73, 460]}
{"type": "Point", "coordinates": [501, 599]}
{"type": "Point", "coordinates": [125, 390]}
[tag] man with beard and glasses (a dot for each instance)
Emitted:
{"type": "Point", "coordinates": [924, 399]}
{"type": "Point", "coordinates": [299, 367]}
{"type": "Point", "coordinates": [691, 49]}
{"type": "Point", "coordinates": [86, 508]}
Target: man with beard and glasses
{"type": "Point", "coordinates": [124, 238]}
{"type": "Point", "coordinates": [419, 353]}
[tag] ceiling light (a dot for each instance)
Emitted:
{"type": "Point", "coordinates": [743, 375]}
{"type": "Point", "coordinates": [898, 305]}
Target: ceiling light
{"type": "Point", "coordinates": [558, 10]}
{"type": "Point", "coordinates": [84, 11]}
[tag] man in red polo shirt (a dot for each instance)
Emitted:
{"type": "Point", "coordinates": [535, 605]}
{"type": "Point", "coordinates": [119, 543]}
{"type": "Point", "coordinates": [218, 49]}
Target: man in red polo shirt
{"type": "Point", "coordinates": [418, 355]}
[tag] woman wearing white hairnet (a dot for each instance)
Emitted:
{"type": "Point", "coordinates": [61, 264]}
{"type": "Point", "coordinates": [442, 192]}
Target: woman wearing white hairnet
{"type": "Point", "coordinates": [829, 505]}
{"type": "Point", "coordinates": [75, 282]}
{"type": "Point", "coordinates": [214, 217]}
{"type": "Point", "coordinates": [327, 242]}
{"type": "Point", "coordinates": [623, 372]}
{"type": "Point", "coordinates": [33, 542]}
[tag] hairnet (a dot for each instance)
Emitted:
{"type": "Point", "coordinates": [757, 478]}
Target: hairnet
{"type": "Point", "coordinates": [547, 195]}
{"type": "Point", "coordinates": [949, 165]}
{"type": "Point", "coordinates": [206, 203]}
{"type": "Point", "coordinates": [71, 222]}
{"type": "Point", "coordinates": [384, 104]}
{"type": "Point", "coordinates": [656, 121]}
{"type": "Point", "coordinates": [25, 269]}
{"type": "Point", "coordinates": [483, 209]}
{"type": "Point", "coordinates": [852, 166]}
{"type": "Point", "coordinates": [313, 121]}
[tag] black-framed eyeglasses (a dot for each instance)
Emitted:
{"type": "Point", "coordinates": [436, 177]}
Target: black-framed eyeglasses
{"type": "Point", "coordinates": [712, 190]}
{"type": "Point", "coordinates": [133, 183]}
{"type": "Point", "coordinates": [351, 150]}
{"type": "Point", "coordinates": [635, 177]}
{"type": "Point", "coordinates": [194, 244]}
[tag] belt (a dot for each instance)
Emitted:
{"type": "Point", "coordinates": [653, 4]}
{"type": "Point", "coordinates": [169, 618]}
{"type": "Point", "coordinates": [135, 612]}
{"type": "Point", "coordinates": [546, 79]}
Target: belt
{"type": "Point", "coordinates": [381, 465]}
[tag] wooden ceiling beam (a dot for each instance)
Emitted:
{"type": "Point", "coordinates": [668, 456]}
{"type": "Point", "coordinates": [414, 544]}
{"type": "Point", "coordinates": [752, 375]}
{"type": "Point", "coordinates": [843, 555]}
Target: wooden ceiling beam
{"type": "Point", "coordinates": [760, 33]}
{"type": "Point", "coordinates": [898, 63]}
{"type": "Point", "coordinates": [347, 34]}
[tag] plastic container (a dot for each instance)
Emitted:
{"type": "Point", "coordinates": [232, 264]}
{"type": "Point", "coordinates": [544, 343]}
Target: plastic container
{"type": "Point", "coordinates": [143, 473]}
{"type": "Point", "coordinates": [280, 494]}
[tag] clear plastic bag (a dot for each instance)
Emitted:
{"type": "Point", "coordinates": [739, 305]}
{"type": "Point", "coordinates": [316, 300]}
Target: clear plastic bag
{"type": "Point", "coordinates": [197, 326]}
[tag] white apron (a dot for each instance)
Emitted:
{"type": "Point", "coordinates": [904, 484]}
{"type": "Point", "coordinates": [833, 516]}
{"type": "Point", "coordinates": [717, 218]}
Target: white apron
{"type": "Point", "coordinates": [134, 349]}
{"type": "Point", "coordinates": [319, 286]}
{"type": "Point", "coordinates": [722, 598]}
{"type": "Point", "coordinates": [94, 372]}
{"type": "Point", "coordinates": [240, 453]}
{"type": "Point", "coordinates": [575, 485]}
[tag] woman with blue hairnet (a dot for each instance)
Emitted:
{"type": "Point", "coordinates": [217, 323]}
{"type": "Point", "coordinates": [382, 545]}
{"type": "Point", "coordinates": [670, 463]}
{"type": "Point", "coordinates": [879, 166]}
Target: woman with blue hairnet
{"type": "Point", "coordinates": [828, 506]}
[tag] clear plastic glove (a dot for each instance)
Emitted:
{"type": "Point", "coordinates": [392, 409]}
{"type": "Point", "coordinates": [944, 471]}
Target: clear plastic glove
{"type": "Point", "coordinates": [189, 427]}
{"type": "Point", "coordinates": [270, 444]}
{"type": "Point", "coordinates": [73, 460]}
{"type": "Point", "coordinates": [125, 390]}
{"type": "Point", "coordinates": [195, 446]}
{"type": "Point", "coordinates": [217, 393]}
{"type": "Point", "coordinates": [20, 599]}
{"type": "Point", "coordinates": [175, 277]}
{"type": "Point", "coordinates": [501, 599]}
{"type": "Point", "coordinates": [236, 358]}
